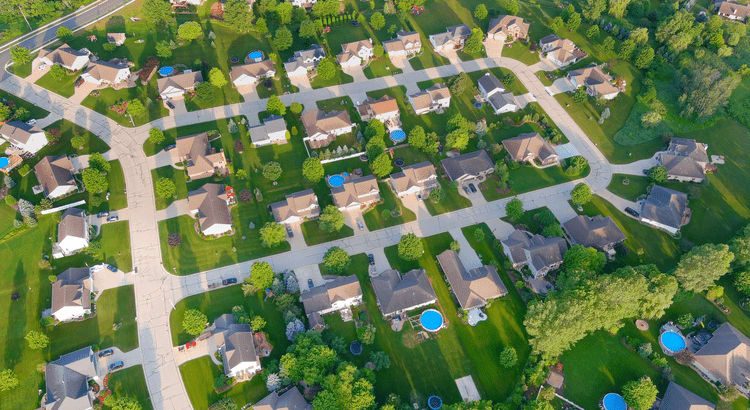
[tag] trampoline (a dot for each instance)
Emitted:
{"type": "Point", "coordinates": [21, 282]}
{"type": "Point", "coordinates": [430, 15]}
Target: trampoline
{"type": "Point", "coordinates": [613, 401]}
{"type": "Point", "coordinates": [255, 55]}
{"type": "Point", "coordinates": [398, 135]}
{"type": "Point", "coordinates": [431, 320]}
{"type": "Point", "coordinates": [672, 341]}
{"type": "Point", "coordinates": [399, 162]}
{"type": "Point", "coordinates": [166, 71]}
{"type": "Point", "coordinates": [336, 180]}
{"type": "Point", "coordinates": [4, 161]}
{"type": "Point", "coordinates": [355, 348]}
{"type": "Point", "coordinates": [477, 104]}
{"type": "Point", "coordinates": [434, 402]}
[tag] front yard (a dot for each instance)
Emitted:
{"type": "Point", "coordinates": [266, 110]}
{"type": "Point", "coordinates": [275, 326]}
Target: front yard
{"type": "Point", "coordinates": [389, 212]}
{"type": "Point", "coordinates": [131, 382]}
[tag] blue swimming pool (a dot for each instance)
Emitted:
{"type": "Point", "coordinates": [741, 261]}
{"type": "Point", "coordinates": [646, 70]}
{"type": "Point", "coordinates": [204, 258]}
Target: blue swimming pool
{"type": "Point", "coordinates": [166, 70]}
{"type": "Point", "coordinates": [4, 162]}
{"type": "Point", "coordinates": [613, 401]}
{"type": "Point", "coordinates": [672, 341]}
{"type": "Point", "coordinates": [398, 135]}
{"type": "Point", "coordinates": [255, 55]}
{"type": "Point", "coordinates": [431, 320]}
{"type": "Point", "coordinates": [335, 180]}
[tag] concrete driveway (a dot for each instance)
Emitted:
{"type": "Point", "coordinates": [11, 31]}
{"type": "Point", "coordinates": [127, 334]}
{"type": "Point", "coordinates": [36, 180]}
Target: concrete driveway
{"type": "Point", "coordinates": [402, 62]}
{"type": "Point", "coordinates": [356, 72]}
{"type": "Point", "coordinates": [451, 55]}
{"type": "Point", "coordinates": [381, 262]}
{"type": "Point", "coordinates": [468, 256]}
{"type": "Point", "coordinates": [301, 81]}
{"type": "Point", "coordinates": [82, 91]}
{"type": "Point", "coordinates": [179, 107]}
{"type": "Point", "coordinates": [175, 209]}
{"type": "Point", "coordinates": [356, 221]}
{"type": "Point", "coordinates": [524, 99]}
{"type": "Point", "coordinates": [476, 198]}
{"type": "Point", "coordinates": [415, 205]}
{"type": "Point", "coordinates": [309, 272]}
{"type": "Point", "coordinates": [298, 240]}
{"type": "Point", "coordinates": [500, 228]}
{"type": "Point", "coordinates": [493, 47]}
{"type": "Point", "coordinates": [559, 86]}
{"type": "Point", "coordinates": [248, 92]}
{"type": "Point", "coordinates": [130, 359]}
{"type": "Point", "coordinates": [106, 279]}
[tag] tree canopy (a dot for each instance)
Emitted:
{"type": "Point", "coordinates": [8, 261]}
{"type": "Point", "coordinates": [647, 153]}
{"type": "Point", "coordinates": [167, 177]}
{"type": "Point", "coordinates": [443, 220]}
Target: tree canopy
{"type": "Point", "coordinates": [702, 266]}
{"type": "Point", "coordinates": [640, 394]}
{"type": "Point", "coordinates": [165, 188]}
{"type": "Point", "coordinates": [514, 209]}
{"type": "Point", "coordinates": [331, 219]}
{"type": "Point", "coordinates": [282, 39]}
{"type": "Point", "coordinates": [272, 170]}
{"type": "Point", "coordinates": [308, 359]}
{"type": "Point", "coordinates": [410, 247]}
{"type": "Point", "coordinates": [194, 322]}
{"type": "Point", "coordinates": [155, 136]}
{"type": "Point", "coordinates": [336, 260]}
{"type": "Point", "coordinates": [275, 105]}
{"type": "Point", "coordinates": [94, 181]}
{"type": "Point", "coordinates": [581, 194]}
{"type": "Point", "coordinates": [189, 30]}
{"type": "Point", "coordinates": [157, 12]}
{"type": "Point", "coordinates": [36, 340]}
{"type": "Point", "coordinates": [381, 165]}
{"type": "Point", "coordinates": [261, 275]}
{"type": "Point", "coordinates": [346, 390]}
{"type": "Point", "coordinates": [239, 15]}
{"type": "Point", "coordinates": [312, 169]}
{"type": "Point", "coordinates": [217, 78]}
{"type": "Point", "coordinates": [272, 234]}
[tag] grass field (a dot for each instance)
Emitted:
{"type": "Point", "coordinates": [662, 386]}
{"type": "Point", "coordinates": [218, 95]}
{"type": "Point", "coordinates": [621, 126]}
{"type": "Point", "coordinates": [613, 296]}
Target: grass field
{"type": "Point", "coordinates": [380, 216]}
{"type": "Point", "coordinates": [130, 382]}
{"type": "Point", "coordinates": [177, 176]}
{"type": "Point", "coordinates": [524, 179]}
{"type": "Point", "coordinates": [520, 51]}
{"type": "Point", "coordinates": [65, 88]}
{"type": "Point", "coordinates": [453, 201]}
{"type": "Point", "coordinates": [36, 112]}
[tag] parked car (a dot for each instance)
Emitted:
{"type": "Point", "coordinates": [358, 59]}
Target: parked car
{"type": "Point", "coordinates": [79, 82]}
{"type": "Point", "coordinates": [229, 281]}
{"type": "Point", "coordinates": [102, 214]}
{"type": "Point", "coordinates": [112, 268]}
{"type": "Point", "coordinates": [107, 352]}
{"type": "Point", "coordinates": [169, 147]}
{"type": "Point", "coordinates": [170, 105]}
{"type": "Point", "coordinates": [632, 211]}
{"type": "Point", "coordinates": [116, 365]}
{"type": "Point", "coordinates": [310, 284]}
{"type": "Point", "coordinates": [360, 225]}
{"type": "Point", "coordinates": [473, 188]}
{"type": "Point", "coordinates": [355, 23]}
{"type": "Point", "coordinates": [371, 258]}
{"type": "Point", "coordinates": [112, 218]}
{"type": "Point", "coordinates": [289, 232]}
{"type": "Point", "coordinates": [466, 189]}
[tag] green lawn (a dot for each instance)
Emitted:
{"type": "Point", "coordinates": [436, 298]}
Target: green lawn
{"type": "Point", "coordinates": [117, 198]}
{"type": "Point", "coordinates": [524, 179]}
{"type": "Point", "coordinates": [314, 235]}
{"type": "Point", "coordinates": [180, 181]}
{"type": "Point", "coordinates": [101, 101]}
{"type": "Point", "coordinates": [381, 67]}
{"type": "Point", "coordinates": [65, 88]}
{"type": "Point", "coordinates": [130, 382]}
{"type": "Point", "coordinates": [453, 201]}
{"type": "Point", "coordinates": [520, 51]}
{"type": "Point", "coordinates": [339, 78]}
{"type": "Point", "coordinates": [36, 112]}
{"type": "Point", "coordinates": [222, 96]}
{"type": "Point", "coordinates": [630, 187]}
{"type": "Point", "coordinates": [22, 70]}
{"type": "Point", "coordinates": [380, 216]}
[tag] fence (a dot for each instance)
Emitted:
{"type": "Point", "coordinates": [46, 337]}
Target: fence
{"type": "Point", "coordinates": [62, 208]}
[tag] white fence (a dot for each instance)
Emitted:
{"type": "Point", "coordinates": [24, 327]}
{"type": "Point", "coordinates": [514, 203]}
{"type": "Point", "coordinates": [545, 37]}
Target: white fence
{"type": "Point", "coordinates": [63, 207]}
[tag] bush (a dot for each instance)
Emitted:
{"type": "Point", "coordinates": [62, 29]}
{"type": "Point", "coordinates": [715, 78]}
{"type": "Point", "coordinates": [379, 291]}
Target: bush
{"type": "Point", "coordinates": [685, 320]}
{"type": "Point", "coordinates": [508, 357]}
{"type": "Point", "coordinates": [645, 350]}
{"type": "Point", "coordinates": [174, 239]}
{"type": "Point", "coordinates": [514, 209]}
{"type": "Point", "coordinates": [336, 260]}
{"type": "Point", "coordinates": [410, 247]}
{"type": "Point", "coordinates": [455, 246]}
{"type": "Point", "coordinates": [194, 322]}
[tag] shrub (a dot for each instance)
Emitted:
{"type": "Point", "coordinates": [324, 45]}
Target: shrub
{"type": "Point", "coordinates": [174, 239]}
{"type": "Point", "coordinates": [410, 247]}
{"type": "Point", "coordinates": [508, 357]}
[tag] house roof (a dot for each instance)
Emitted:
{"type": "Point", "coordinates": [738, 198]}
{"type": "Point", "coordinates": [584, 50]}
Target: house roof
{"type": "Point", "coordinates": [195, 151]}
{"type": "Point", "coordinates": [255, 70]}
{"type": "Point", "coordinates": [452, 33]}
{"type": "Point", "coordinates": [509, 25]}
{"type": "Point", "coordinates": [396, 292]}
{"type": "Point", "coordinates": [734, 9]}
{"type": "Point", "coordinates": [105, 70]}
{"type": "Point", "coordinates": [382, 105]}
{"type": "Point", "coordinates": [69, 289]}
{"type": "Point", "coordinates": [319, 121]}
{"type": "Point", "coordinates": [536, 250]}
{"type": "Point", "coordinates": [237, 339]}
{"type": "Point", "coordinates": [726, 355]}
{"type": "Point", "coordinates": [408, 36]}
{"type": "Point", "coordinates": [353, 190]}
{"type": "Point", "coordinates": [315, 52]}
{"type": "Point", "coordinates": [296, 204]}
{"type": "Point", "coordinates": [500, 100]}
{"type": "Point", "coordinates": [471, 164]}
{"type": "Point", "coordinates": [680, 166]}
{"type": "Point", "coordinates": [63, 55]}
{"type": "Point", "coordinates": [67, 378]}
{"type": "Point", "coordinates": [271, 125]}
{"type": "Point", "coordinates": [321, 298]}
{"type": "Point", "coordinates": [211, 202]}
{"type": "Point", "coordinates": [677, 397]}
{"type": "Point", "coordinates": [290, 400]}
{"type": "Point", "coordinates": [402, 39]}
{"type": "Point", "coordinates": [182, 81]}
{"type": "Point", "coordinates": [472, 287]}
{"type": "Point", "coordinates": [666, 206]}
{"type": "Point", "coordinates": [54, 171]}
{"type": "Point", "coordinates": [688, 148]}
{"type": "Point", "coordinates": [354, 46]}
{"type": "Point", "coordinates": [18, 132]}
{"type": "Point", "coordinates": [594, 77]}
{"type": "Point", "coordinates": [72, 223]}
{"type": "Point", "coordinates": [597, 231]}
{"type": "Point", "coordinates": [413, 175]}
{"type": "Point", "coordinates": [424, 99]}
{"type": "Point", "coordinates": [489, 82]}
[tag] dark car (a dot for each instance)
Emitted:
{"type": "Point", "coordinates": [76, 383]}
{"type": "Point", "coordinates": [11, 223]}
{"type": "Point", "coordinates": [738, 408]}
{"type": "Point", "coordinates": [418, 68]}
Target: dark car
{"type": "Point", "coordinates": [467, 189]}
{"type": "Point", "coordinates": [112, 268]}
{"type": "Point", "coordinates": [355, 23]}
{"type": "Point", "coordinates": [310, 284]}
{"type": "Point", "coordinates": [102, 214]}
{"type": "Point", "coordinates": [105, 353]}
{"type": "Point", "coordinates": [169, 147]}
{"type": "Point", "coordinates": [116, 365]}
{"type": "Point", "coordinates": [229, 281]}
{"type": "Point", "coordinates": [473, 188]}
{"type": "Point", "coordinates": [371, 258]}
{"type": "Point", "coordinates": [112, 218]}
{"type": "Point", "coordinates": [632, 211]}
{"type": "Point", "coordinates": [170, 105]}
{"type": "Point", "coordinates": [79, 82]}
{"type": "Point", "coordinates": [289, 232]}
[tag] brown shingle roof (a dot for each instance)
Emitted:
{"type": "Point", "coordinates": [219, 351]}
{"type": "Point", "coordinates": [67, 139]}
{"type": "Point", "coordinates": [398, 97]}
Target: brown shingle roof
{"type": "Point", "coordinates": [355, 190]}
{"type": "Point", "coordinates": [414, 175]}
{"type": "Point", "coordinates": [19, 132]}
{"type": "Point", "coordinates": [679, 398]}
{"type": "Point", "coordinates": [513, 26]}
{"type": "Point", "coordinates": [290, 400]}
{"type": "Point", "coordinates": [296, 204]}
{"type": "Point", "coordinates": [259, 69]}
{"type": "Point", "coordinates": [321, 298]}
{"type": "Point", "coordinates": [211, 202]}
{"type": "Point", "coordinates": [316, 121]}
{"type": "Point", "coordinates": [195, 152]}
{"type": "Point", "coordinates": [72, 223]}
{"type": "Point", "coordinates": [183, 81]}
{"type": "Point", "coordinates": [530, 145]}
{"type": "Point", "coordinates": [728, 8]}
{"type": "Point", "coordinates": [598, 231]}
{"type": "Point", "coordinates": [69, 289]}
{"type": "Point", "coordinates": [473, 287]}
{"type": "Point", "coordinates": [105, 70]}
{"type": "Point", "coordinates": [54, 171]}
{"type": "Point", "coordinates": [396, 292]}
{"type": "Point", "coordinates": [64, 55]}
{"type": "Point", "coordinates": [726, 355]}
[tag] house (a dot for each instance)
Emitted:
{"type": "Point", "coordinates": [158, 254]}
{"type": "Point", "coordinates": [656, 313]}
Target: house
{"type": "Point", "coordinates": [384, 109]}
{"type": "Point", "coordinates": [236, 346]}
{"type": "Point", "coordinates": [111, 72]}
{"type": "Point", "coordinates": [67, 380]}
{"type": "Point", "coordinates": [503, 102]}
{"type": "Point", "coordinates": [734, 11]}
{"type": "Point", "coordinates": [685, 160]}
{"type": "Point", "coordinates": [175, 86]}
{"type": "Point", "coordinates": [472, 287]}
{"type": "Point", "coordinates": [678, 397]}
{"type": "Point", "coordinates": [531, 147]}
{"type": "Point", "coordinates": [725, 358]}
{"type": "Point", "coordinates": [356, 193]}
{"type": "Point", "coordinates": [24, 137]}
{"type": "Point", "coordinates": [453, 38]}
{"type": "Point", "coordinates": [297, 207]}
{"type": "Point", "coordinates": [199, 158]}
{"type": "Point", "coordinates": [508, 28]}
{"type": "Point", "coordinates": [66, 57]}
{"type": "Point", "coordinates": [470, 167]}
{"type": "Point", "coordinates": [406, 44]}
{"type": "Point", "coordinates": [72, 233]}
{"type": "Point", "coordinates": [210, 206]}
{"type": "Point", "coordinates": [71, 294]}
{"type": "Point", "coordinates": [272, 131]}
{"type": "Point", "coordinates": [539, 253]}
{"type": "Point", "coordinates": [434, 99]}
{"type": "Point", "coordinates": [597, 82]}
{"type": "Point", "coordinates": [303, 3]}
{"type": "Point", "coordinates": [55, 175]}
{"type": "Point", "coordinates": [304, 61]}
{"type": "Point", "coordinates": [561, 52]}
{"type": "Point", "coordinates": [418, 179]}
{"type": "Point", "coordinates": [396, 293]}
{"type": "Point", "coordinates": [488, 85]}
{"type": "Point", "coordinates": [355, 53]}
{"type": "Point", "coordinates": [338, 295]}
{"type": "Point", "coordinates": [249, 74]}
{"type": "Point", "coordinates": [491, 89]}
{"type": "Point", "coordinates": [117, 39]}
{"type": "Point", "coordinates": [322, 127]}
{"type": "Point", "coordinates": [596, 231]}
{"type": "Point", "coordinates": [289, 400]}
{"type": "Point", "coordinates": [665, 209]}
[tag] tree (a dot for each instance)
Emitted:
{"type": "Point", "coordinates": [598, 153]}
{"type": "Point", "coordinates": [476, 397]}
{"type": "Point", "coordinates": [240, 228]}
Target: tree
{"type": "Point", "coordinates": [382, 166]}
{"type": "Point", "coordinates": [284, 12]}
{"type": "Point", "coordinates": [514, 209]}
{"type": "Point", "coordinates": [410, 247]}
{"type": "Point", "coordinates": [740, 246]}
{"type": "Point", "coordinates": [20, 55]}
{"type": "Point", "coordinates": [556, 24]}
{"type": "Point", "coordinates": [608, 43]}
{"type": "Point", "coordinates": [508, 357]}
{"type": "Point", "coordinates": [678, 31]}
{"type": "Point", "coordinates": [260, 25]}
{"type": "Point", "coordinates": [580, 263]}
{"type": "Point", "coordinates": [155, 136]}
{"type": "Point", "coordinates": [78, 142]}
{"type": "Point", "coordinates": [239, 15]}
{"type": "Point", "coordinates": [296, 108]}
{"type": "Point", "coordinates": [276, 106]}
{"type": "Point", "coordinates": [592, 9]}
{"type": "Point", "coordinates": [282, 39]}
{"type": "Point", "coordinates": [381, 360]}
{"type": "Point", "coordinates": [644, 58]}
{"type": "Point", "coordinates": [307, 359]}
{"type": "Point", "coordinates": [473, 44]}
{"type": "Point", "coordinates": [617, 8]}
{"type": "Point", "coordinates": [331, 219]}
{"type": "Point", "coordinates": [272, 170]}
{"type": "Point", "coordinates": [651, 119]}
{"type": "Point", "coordinates": [375, 128]}
{"type": "Point", "coordinates": [581, 194]}
{"type": "Point", "coordinates": [8, 380]}
{"type": "Point", "coordinates": [640, 394]}
{"type": "Point", "coordinates": [706, 87]}
{"type": "Point", "coordinates": [257, 323]}
{"type": "Point", "coordinates": [592, 31]}
{"type": "Point", "coordinates": [579, 95]}
{"type": "Point", "coordinates": [36, 340]}
{"type": "Point", "coordinates": [639, 35]}
{"type": "Point", "coordinates": [366, 334]}
{"type": "Point", "coordinates": [480, 11]}
{"type": "Point", "coordinates": [574, 21]}
{"type": "Point", "coordinates": [347, 389]}
{"type": "Point", "coordinates": [272, 234]}
{"type": "Point", "coordinates": [511, 6]}
{"type": "Point", "coordinates": [64, 32]}
{"type": "Point", "coordinates": [326, 69]}
{"type": "Point", "coordinates": [261, 275]}
{"type": "Point", "coordinates": [57, 73]}
{"type": "Point", "coordinates": [658, 174]}
{"type": "Point", "coordinates": [377, 20]}
{"type": "Point", "coordinates": [126, 403]}
{"type": "Point", "coordinates": [157, 12]}
{"type": "Point", "coordinates": [457, 139]}
{"type": "Point", "coordinates": [312, 169]}
{"type": "Point", "coordinates": [459, 83]}
{"type": "Point", "coordinates": [189, 31]}
{"type": "Point", "coordinates": [94, 181]}
{"type": "Point", "coordinates": [216, 77]}
{"type": "Point", "coordinates": [136, 108]}
{"type": "Point", "coordinates": [194, 322]}
{"type": "Point", "coordinates": [165, 188]}
{"type": "Point", "coordinates": [308, 29]}
{"type": "Point", "coordinates": [702, 266]}
{"type": "Point", "coordinates": [97, 162]}
{"type": "Point", "coordinates": [163, 49]}
{"type": "Point", "coordinates": [336, 260]}
{"type": "Point", "coordinates": [4, 112]}
{"type": "Point", "coordinates": [742, 282]}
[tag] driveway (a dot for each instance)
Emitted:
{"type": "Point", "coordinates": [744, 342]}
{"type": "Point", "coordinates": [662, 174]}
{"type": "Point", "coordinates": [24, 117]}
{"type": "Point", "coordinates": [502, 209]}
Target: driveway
{"type": "Point", "coordinates": [304, 273]}
{"type": "Point", "coordinates": [559, 86]}
{"type": "Point", "coordinates": [415, 205]}
{"type": "Point", "coordinates": [381, 262]}
{"type": "Point", "coordinates": [298, 240]}
{"type": "Point", "coordinates": [355, 220]}
{"type": "Point", "coordinates": [562, 210]}
{"type": "Point", "coordinates": [635, 168]}
{"type": "Point", "coordinates": [248, 92]}
{"type": "Point", "coordinates": [476, 198]}
{"type": "Point", "coordinates": [468, 256]}
{"type": "Point", "coordinates": [452, 56]}
{"type": "Point", "coordinates": [301, 81]}
{"type": "Point", "coordinates": [175, 209]}
{"type": "Point", "coordinates": [129, 359]}
{"type": "Point", "coordinates": [524, 99]}
{"type": "Point", "coordinates": [356, 72]}
{"type": "Point", "coordinates": [494, 47]}
{"type": "Point", "coordinates": [402, 62]}
{"type": "Point", "coordinates": [500, 228]}
{"type": "Point", "coordinates": [179, 107]}
{"type": "Point", "coordinates": [106, 279]}
{"type": "Point", "coordinates": [82, 91]}
{"type": "Point", "coordinates": [543, 65]}
{"type": "Point", "coordinates": [163, 159]}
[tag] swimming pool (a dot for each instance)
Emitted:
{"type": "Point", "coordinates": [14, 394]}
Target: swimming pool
{"type": "Point", "coordinates": [398, 135]}
{"type": "Point", "coordinates": [613, 401]}
{"type": "Point", "coordinates": [336, 180]}
{"type": "Point", "coordinates": [672, 341]}
{"type": "Point", "coordinates": [431, 320]}
{"type": "Point", "coordinates": [255, 55]}
{"type": "Point", "coordinates": [166, 70]}
{"type": "Point", "coordinates": [4, 161]}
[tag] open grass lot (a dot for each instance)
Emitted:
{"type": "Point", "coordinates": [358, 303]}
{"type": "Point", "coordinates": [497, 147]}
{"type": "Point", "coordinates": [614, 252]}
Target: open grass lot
{"type": "Point", "coordinates": [65, 88]}
{"type": "Point", "coordinates": [380, 216]}
{"type": "Point", "coordinates": [524, 179]}
{"type": "Point", "coordinates": [131, 382]}
{"type": "Point", "coordinates": [107, 97]}
{"type": "Point", "coordinates": [630, 187]}
{"type": "Point", "coordinates": [180, 181]}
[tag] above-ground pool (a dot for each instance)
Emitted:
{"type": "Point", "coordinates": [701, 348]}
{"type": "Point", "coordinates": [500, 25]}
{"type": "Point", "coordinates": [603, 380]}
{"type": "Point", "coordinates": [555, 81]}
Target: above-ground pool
{"type": "Point", "coordinates": [336, 180]}
{"type": "Point", "coordinates": [613, 401]}
{"type": "Point", "coordinates": [398, 135]}
{"type": "Point", "coordinates": [673, 341]}
{"type": "Point", "coordinates": [477, 104]}
{"type": "Point", "coordinates": [434, 402]}
{"type": "Point", "coordinates": [255, 55]}
{"type": "Point", "coordinates": [166, 70]}
{"type": "Point", "coordinates": [4, 162]}
{"type": "Point", "coordinates": [431, 320]}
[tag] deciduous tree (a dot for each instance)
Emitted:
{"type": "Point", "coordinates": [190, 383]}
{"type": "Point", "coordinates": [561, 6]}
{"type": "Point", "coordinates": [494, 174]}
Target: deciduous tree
{"type": "Point", "coordinates": [331, 219]}
{"type": "Point", "coordinates": [157, 12]}
{"type": "Point", "coordinates": [514, 209]}
{"type": "Point", "coordinates": [581, 194]}
{"type": "Point", "coordinates": [165, 188]}
{"type": "Point", "coordinates": [272, 234]}
{"type": "Point", "coordinates": [189, 31]}
{"type": "Point", "coordinates": [480, 11]}
{"type": "Point", "coordinates": [261, 275]}
{"type": "Point", "coordinates": [94, 181]}
{"type": "Point", "coordinates": [272, 170]}
{"type": "Point", "coordinates": [410, 247]}
{"type": "Point", "coordinates": [640, 394]}
{"type": "Point", "coordinates": [702, 266]}
{"type": "Point", "coordinates": [282, 38]}
{"type": "Point", "coordinates": [36, 340]}
{"type": "Point", "coordinates": [312, 169]}
{"type": "Point", "coordinates": [336, 260]}
{"type": "Point", "coordinates": [381, 165]}
{"type": "Point", "coordinates": [276, 106]}
{"type": "Point", "coordinates": [377, 20]}
{"type": "Point", "coordinates": [194, 322]}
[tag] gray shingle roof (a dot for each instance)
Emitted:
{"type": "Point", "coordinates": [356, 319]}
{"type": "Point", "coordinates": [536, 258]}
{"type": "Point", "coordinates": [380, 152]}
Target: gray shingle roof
{"type": "Point", "coordinates": [473, 287]}
{"type": "Point", "coordinates": [290, 400]}
{"type": "Point", "coordinates": [69, 289]}
{"type": "Point", "coordinates": [726, 355]}
{"type": "Point", "coordinates": [679, 398]}
{"type": "Point", "coordinates": [72, 223]}
{"type": "Point", "coordinates": [396, 292]}
{"type": "Point", "coordinates": [274, 124]}
{"type": "Point", "coordinates": [489, 82]}
{"type": "Point", "coordinates": [211, 202]}
{"type": "Point", "coordinates": [67, 380]}
{"type": "Point", "coordinates": [239, 346]}
{"type": "Point", "coordinates": [19, 132]}
{"type": "Point", "coordinates": [54, 171]}
{"type": "Point", "coordinates": [597, 231]}
{"type": "Point", "coordinates": [471, 164]}
{"type": "Point", "coordinates": [666, 206]}
{"type": "Point", "coordinates": [536, 250]}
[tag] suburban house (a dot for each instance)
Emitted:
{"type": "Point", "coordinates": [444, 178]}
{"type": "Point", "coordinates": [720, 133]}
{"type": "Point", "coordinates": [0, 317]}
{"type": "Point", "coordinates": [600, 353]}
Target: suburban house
{"type": "Point", "coordinates": [561, 51]}
{"type": "Point", "coordinates": [508, 28]}
{"type": "Point", "coordinates": [418, 179]}
{"type": "Point", "coordinates": [678, 397]}
{"type": "Point", "coordinates": [338, 295]}
{"type": "Point", "coordinates": [531, 147]}
{"type": "Point", "coordinates": [67, 380]}
{"type": "Point", "coordinates": [453, 38]}
{"type": "Point", "coordinates": [398, 293]}
{"type": "Point", "coordinates": [734, 11]}
{"type": "Point", "coordinates": [434, 99]}
{"type": "Point", "coordinates": [289, 400]}
{"type": "Point", "coordinates": [210, 206]}
{"type": "Point", "coordinates": [117, 39]}
{"type": "Point", "coordinates": [304, 61]}
{"type": "Point", "coordinates": [175, 86]}
{"type": "Point", "coordinates": [469, 167]}
{"type": "Point", "coordinates": [24, 137]}
{"type": "Point", "coordinates": [488, 85]}
{"type": "Point", "coordinates": [236, 346]}
{"type": "Point", "coordinates": [685, 160]}
{"type": "Point", "coordinates": [596, 231]}
{"type": "Point", "coordinates": [355, 53]}
{"type": "Point", "coordinates": [71, 294]}
{"type": "Point", "coordinates": [199, 158]}
{"type": "Point", "coordinates": [55, 175]}
{"type": "Point", "coordinates": [356, 193]}
{"type": "Point", "coordinates": [406, 44]}
{"type": "Point", "coordinates": [539, 253]}
{"type": "Point", "coordinates": [725, 358]}
{"type": "Point", "coordinates": [112, 72]}
{"type": "Point", "coordinates": [72, 233]}
{"type": "Point", "coordinates": [297, 207]}
{"type": "Point", "coordinates": [303, 3]}
{"type": "Point", "coordinates": [272, 131]}
{"type": "Point", "coordinates": [665, 209]}
{"type": "Point", "coordinates": [66, 57]}
{"type": "Point", "coordinates": [597, 82]}
{"type": "Point", "coordinates": [384, 108]}
{"type": "Point", "coordinates": [252, 73]}
{"type": "Point", "coordinates": [472, 287]}
{"type": "Point", "coordinates": [492, 91]}
{"type": "Point", "coordinates": [503, 102]}
{"type": "Point", "coordinates": [322, 127]}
